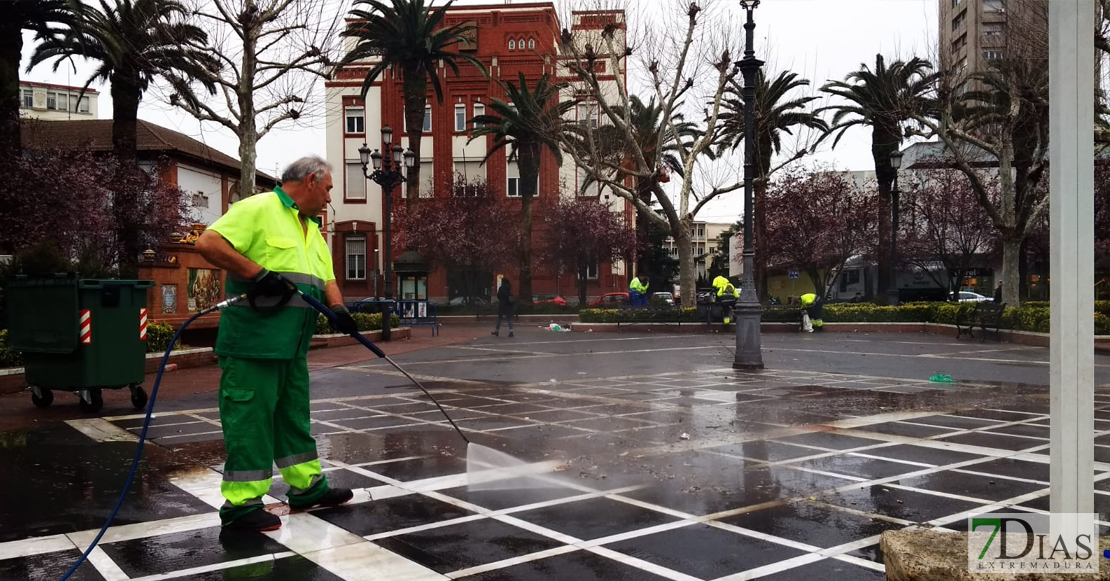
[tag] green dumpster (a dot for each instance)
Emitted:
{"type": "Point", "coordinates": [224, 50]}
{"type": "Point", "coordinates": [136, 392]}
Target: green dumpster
{"type": "Point", "coordinates": [80, 335]}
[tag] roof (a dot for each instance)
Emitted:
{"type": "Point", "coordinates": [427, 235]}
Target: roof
{"type": "Point", "coordinates": [89, 91]}
{"type": "Point", "coordinates": [96, 135]}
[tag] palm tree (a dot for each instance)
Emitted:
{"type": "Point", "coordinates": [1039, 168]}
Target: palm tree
{"type": "Point", "coordinates": [133, 42]}
{"type": "Point", "coordinates": [43, 17]}
{"type": "Point", "coordinates": [408, 35]}
{"type": "Point", "coordinates": [774, 114]}
{"type": "Point", "coordinates": [528, 121]}
{"type": "Point", "coordinates": [883, 98]}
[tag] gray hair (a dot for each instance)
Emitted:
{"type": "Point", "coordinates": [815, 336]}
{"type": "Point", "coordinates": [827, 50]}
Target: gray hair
{"type": "Point", "coordinates": [300, 169]}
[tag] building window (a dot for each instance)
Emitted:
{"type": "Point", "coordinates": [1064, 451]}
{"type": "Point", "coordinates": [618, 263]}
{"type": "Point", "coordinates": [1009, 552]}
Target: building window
{"type": "Point", "coordinates": [512, 44]}
{"type": "Point", "coordinates": [591, 271]}
{"type": "Point", "coordinates": [28, 98]}
{"type": "Point", "coordinates": [479, 110]}
{"type": "Point", "coordinates": [993, 28]}
{"type": "Point", "coordinates": [992, 55]}
{"type": "Point", "coordinates": [356, 182]}
{"type": "Point", "coordinates": [427, 119]}
{"type": "Point", "coordinates": [959, 20]}
{"type": "Point", "coordinates": [994, 6]}
{"type": "Point", "coordinates": [83, 105]}
{"type": "Point", "coordinates": [200, 200]}
{"type": "Point", "coordinates": [959, 43]}
{"type": "Point", "coordinates": [356, 257]}
{"type": "Point", "coordinates": [356, 120]}
{"type": "Point", "coordinates": [531, 44]}
{"type": "Point", "coordinates": [512, 188]}
{"type": "Point", "coordinates": [956, 3]}
{"type": "Point", "coordinates": [52, 100]}
{"type": "Point", "coordinates": [962, 64]}
{"type": "Point", "coordinates": [587, 114]}
{"type": "Point", "coordinates": [460, 117]}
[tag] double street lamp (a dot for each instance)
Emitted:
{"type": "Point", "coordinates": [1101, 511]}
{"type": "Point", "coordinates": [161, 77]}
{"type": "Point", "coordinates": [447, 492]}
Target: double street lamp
{"type": "Point", "coordinates": [389, 172]}
{"type": "Point", "coordinates": [749, 353]}
{"type": "Point", "coordinates": [895, 194]}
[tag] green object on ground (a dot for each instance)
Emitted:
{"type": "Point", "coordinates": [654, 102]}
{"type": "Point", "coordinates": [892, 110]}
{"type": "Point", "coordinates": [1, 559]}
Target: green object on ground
{"type": "Point", "coordinates": [45, 324]}
{"type": "Point", "coordinates": [942, 378]}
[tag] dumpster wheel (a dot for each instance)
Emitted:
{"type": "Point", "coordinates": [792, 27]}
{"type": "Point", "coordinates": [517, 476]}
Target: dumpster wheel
{"type": "Point", "coordinates": [41, 397]}
{"type": "Point", "coordinates": [138, 396]}
{"type": "Point", "coordinates": [90, 400]}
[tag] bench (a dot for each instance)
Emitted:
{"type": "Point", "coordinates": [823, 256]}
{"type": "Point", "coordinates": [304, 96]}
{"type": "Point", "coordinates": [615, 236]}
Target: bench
{"type": "Point", "coordinates": [985, 315]}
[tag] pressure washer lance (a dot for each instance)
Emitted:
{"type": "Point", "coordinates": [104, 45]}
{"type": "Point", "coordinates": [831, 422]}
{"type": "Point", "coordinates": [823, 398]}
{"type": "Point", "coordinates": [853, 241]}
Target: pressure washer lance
{"type": "Point", "coordinates": [158, 381]}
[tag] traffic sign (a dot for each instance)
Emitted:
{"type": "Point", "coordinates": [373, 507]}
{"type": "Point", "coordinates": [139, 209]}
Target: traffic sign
{"type": "Point", "coordinates": [793, 273]}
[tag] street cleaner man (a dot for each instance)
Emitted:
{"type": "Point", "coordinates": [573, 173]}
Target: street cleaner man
{"type": "Point", "coordinates": [637, 291]}
{"type": "Point", "coordinates": [726, 296]}
{"type": "Point", "coordinates": [812, 313]}
{"type": "Point", "coordinates": [270, 245]}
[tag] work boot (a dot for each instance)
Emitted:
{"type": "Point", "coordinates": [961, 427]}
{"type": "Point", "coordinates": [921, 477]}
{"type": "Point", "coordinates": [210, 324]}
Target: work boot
{"type": "Point", "coordinates": [494, 333]}
{"type": "Point", "coordinates": [510, 333]}
{"type": "Point", "coordinates": [255, 520]}
{"type": "Point", "coordinates": [333, 497]}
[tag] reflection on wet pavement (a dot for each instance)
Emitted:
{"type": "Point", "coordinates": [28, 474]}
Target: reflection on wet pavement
{"type": "Point", "coordinates": [698, 474]}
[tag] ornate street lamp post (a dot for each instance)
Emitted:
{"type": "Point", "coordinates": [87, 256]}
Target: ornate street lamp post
{"type": "Point", "coordinates": [749, 354]}
{"type": "Point", "coordinates": [389, 172]}
{"type": "Point", "coordinates": [895, 194]}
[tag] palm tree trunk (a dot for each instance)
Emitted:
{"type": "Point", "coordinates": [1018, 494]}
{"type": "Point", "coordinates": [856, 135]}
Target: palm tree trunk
{"type": "Point", "coordinates": [884, 141]}
{"type": "Point", "coordinates": [125, 114]}
{"type": "Point", "coordinates": [11, 50]}
{"type": "Point", "coordinates": [415, 89]}
{"type": "Point", "coordinates": [125, 121]}
{"type": "Point", "coordinates": [528, 160]}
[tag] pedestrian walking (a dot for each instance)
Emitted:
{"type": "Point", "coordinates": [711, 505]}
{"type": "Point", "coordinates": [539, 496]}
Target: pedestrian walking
{"type": "Point", "coordinates": [271, 247]}
{"type": "Point", "coordinates": [504, 306]}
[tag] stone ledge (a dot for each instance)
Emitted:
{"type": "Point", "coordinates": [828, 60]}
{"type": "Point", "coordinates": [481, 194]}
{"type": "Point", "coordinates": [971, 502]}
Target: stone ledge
{"type": "Point", "coordinates": [926, 555]}
{"type": "Point", "coordinates": [342, 340]}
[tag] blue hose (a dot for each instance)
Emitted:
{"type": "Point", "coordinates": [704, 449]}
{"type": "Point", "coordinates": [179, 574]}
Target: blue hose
{"type": "Point", "coordinates": [142, 435]}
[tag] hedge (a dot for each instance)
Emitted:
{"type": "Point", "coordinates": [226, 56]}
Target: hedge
{"type": "Point", "coordinates": [365, 322]}
{"type": "Point", "coordinates": [1029, 317]}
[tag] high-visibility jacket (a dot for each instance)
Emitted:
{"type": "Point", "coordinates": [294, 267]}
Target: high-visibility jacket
{"type": "Point", "coordinates": [725, 287]}
{"type": "Point", "coordinates": [266, 228]}
{"type": "Point", "coordinates": [638, 286]}
{"type": "Point", "coordinates": [808, 299]}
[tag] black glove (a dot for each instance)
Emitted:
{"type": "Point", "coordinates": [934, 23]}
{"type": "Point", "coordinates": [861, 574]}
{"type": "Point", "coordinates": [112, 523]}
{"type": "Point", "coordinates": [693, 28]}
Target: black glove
{"type": "Point", "coordinates": [344, 322]}
{"type": "Point", "coordinates": [272, 288]}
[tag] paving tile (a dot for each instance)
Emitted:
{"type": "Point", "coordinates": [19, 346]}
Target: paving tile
{"type": "Point", "coordinates": [1023, 430]}
{"type": "Point", "coordinates": [1102, 505]}
{"type": "Point", "coordinates": [373, 423]}
{"type": "Point", "coordinates": [48, 567]}
{"type": "Point", "coordinates": [594, 518]}
{"type": "Point", "coordinates": [401, 409]}
{"type": "Point", "coordinates": [732, 552]}
{"type": "Point", "coordinates": [609, 424]}
{"type": "Point", "coordinates": [197, 548]}
{"type": "Point", "coordinates": [924, 454]}
{"type": "Point", "coordinates": [916, 507]}
{"type": "Point", "coordinates": [344, 414]}
{"type": "Point", "coordinates": [516, 409]}
{"type": "Point", "coordinates": [1102, 453]}
{"type": "Point", "coordinates": [578, 565]}
{"type": "Point", "coordinates": [491, 423]}
{"type": "Point", "coordinates": [904, 429]}
{"type": "Point", "coordinates": [971, 485]}
{"type": "Point", "coordinates": [963, 423]}
{"type": "Point", "coordinates": [989, 440]}
{"type": "Point", "coordinates": [465, 545]}
{"type": "Point", "coordinates": [857, 466]}
{"type": "Point", "coordinates": [827, 569]}
{"type": "Point", "coordinates": [829, 440]}
{"type": "Point", "coordinates": [390, 514]}
{"type": "Point", "coordinates": [420, 468]}
{"type": "Point", "coordinates": [1011, 467]}
{"type": "Point", "coordinates": [288, 568]}
{"type": "Point", "coordinates": [992, 414]}
{"type": "Point", "coordinates": [528, 492]}
{"type": "Point", "coordinates": [767, 450]}
{"type": "Point", "coordinates": [559, 415]}
{"type": "Point", "coordinates": [811, 523]}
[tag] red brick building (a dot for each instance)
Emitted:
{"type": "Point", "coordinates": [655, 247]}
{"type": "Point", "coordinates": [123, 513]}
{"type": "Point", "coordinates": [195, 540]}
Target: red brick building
{"type": "Point", "coordinates": [510, 39]}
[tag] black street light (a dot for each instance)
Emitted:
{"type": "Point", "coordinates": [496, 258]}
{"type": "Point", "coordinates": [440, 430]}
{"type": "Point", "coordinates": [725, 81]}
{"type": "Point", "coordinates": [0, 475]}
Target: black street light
{"type": "Point", "coordinates": [892, 288]}
{"type": "Point", "coordinates": [389, 172]}
{"type": "Point", "coordinates": [749, 353]}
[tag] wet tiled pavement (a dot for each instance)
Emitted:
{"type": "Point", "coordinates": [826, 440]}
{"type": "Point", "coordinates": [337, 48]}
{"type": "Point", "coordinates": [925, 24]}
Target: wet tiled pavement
{"type": "Point", "coordinates": [703, 473]}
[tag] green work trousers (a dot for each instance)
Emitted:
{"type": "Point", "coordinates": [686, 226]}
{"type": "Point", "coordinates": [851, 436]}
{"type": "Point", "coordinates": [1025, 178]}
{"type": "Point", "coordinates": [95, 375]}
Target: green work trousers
{"type": "Point", "coordinates": [264, 408]}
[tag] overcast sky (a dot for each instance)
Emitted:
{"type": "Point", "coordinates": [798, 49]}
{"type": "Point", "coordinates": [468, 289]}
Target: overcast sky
{"type": "Point", "coordinates": [819, 39]}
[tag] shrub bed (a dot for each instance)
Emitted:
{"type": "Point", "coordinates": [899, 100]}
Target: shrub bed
{"type": "Point", "coordinates": [686, 315]}
{"type": "Point", "coordinates": [365, 321]}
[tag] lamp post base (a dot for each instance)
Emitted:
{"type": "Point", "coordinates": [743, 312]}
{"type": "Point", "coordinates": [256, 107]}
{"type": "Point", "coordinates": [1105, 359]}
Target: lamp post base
{"type": "Point", "coordinates": [387, 319]}
{"type": "Point", "coordinates": [748, 311]}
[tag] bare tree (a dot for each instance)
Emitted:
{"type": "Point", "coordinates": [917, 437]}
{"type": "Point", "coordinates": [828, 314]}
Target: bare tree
{"type": "Point", "coordinates": [1000, 115]}
{"type": "Point", "coordinates": [676, 49]}
{"type": "Point", "coordinates": [271, 54]}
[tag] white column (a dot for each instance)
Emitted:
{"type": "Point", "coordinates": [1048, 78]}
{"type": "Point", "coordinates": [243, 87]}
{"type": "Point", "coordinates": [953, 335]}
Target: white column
{"type": "Point", "coordinates": [1071, 138]}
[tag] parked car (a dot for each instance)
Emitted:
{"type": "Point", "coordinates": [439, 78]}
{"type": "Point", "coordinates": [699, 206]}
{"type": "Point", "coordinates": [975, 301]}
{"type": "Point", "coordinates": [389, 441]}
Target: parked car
{"type": "Point", "coordinates": [462, 301]}
{"type": "Point", "coordinates": [549, 299]}
{"type": "Point", "coordinates": [611, 300]}
{"type": "Point", "coordinates": [665, 298]}
{"type": "Point", "coordinates": [970, 297]}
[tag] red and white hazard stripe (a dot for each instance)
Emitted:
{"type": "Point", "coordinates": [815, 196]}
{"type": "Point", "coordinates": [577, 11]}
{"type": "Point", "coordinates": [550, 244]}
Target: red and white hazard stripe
{"type": "Point", "coordinates": [86, 327]}
{"type": "Point", "coordinates": [142, 324]}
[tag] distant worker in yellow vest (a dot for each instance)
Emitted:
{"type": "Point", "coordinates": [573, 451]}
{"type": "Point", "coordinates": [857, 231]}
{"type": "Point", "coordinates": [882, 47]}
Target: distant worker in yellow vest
{"type": "Point", "coordinates": [637, 291]}
{"type": "Point", "coordinates": [726, 296]}
{"type": "Point", "coordinates": [812, 313]}
{"type": "Point", "coordinates": [271, 247]}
